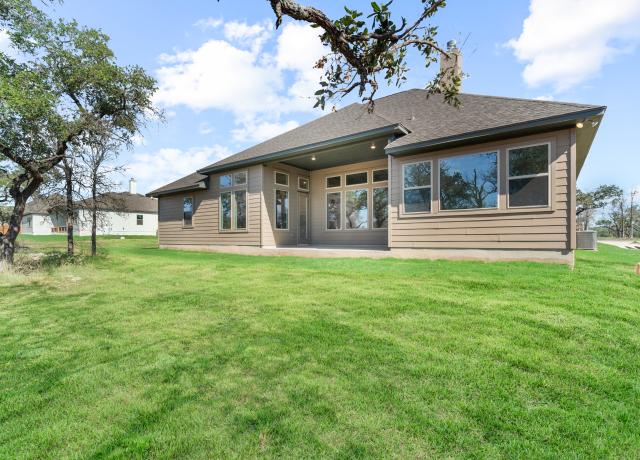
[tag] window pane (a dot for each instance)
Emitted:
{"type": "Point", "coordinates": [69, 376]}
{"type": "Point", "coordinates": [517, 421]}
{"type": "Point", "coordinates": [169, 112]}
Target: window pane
{"type": "Point", "coordinates": [333, 182]}
{"type": "Point", "coordinates": [356, 209]}
{"type": "Point", "coordinates": [282, 209]}
{"type": "Point", "coordinates": [417, 200]}
{"type": "Point", "coordinates": [469, 181]}
{"type": "Point", "coordinates": [303, 183]}
{"type": "Point", "coordinates": [187, 211]}
{"type": "Point", "coordinates": [380, 175]}
{"type": "Point", "coordinates": [225, 211]}
{"type": "Point", "coordinates": [241, 209]}
{"type": "Point", "coordinates": [333, 211]}
{"type": "Point", "coordinates": [356, 178]}
{"type": "Point", "coordinates": [380, 202]}
{"type": "Point", "coordinates": [529, 160]}
{"type": "Point", "coordinates": [240, 178]}
{"type": "Point", "coordinates": [139, 219]}
{"type": "Point", "coordinates": [417, 174]}
{"type": "Point", "coordinates": [282, 178]}
{"type": "Point", "coordinates": [225, 181]}
{"type": "Point", "coordinates": [532, 191]}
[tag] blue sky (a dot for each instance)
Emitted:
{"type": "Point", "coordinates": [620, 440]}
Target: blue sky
{"type": "Point", "coordinates": [229, 80]}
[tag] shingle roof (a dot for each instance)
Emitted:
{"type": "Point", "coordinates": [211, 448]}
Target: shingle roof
{"type": "Point", "coordinates": [191, 182]}
{"type": "Point", "coordinates": [123, 202]}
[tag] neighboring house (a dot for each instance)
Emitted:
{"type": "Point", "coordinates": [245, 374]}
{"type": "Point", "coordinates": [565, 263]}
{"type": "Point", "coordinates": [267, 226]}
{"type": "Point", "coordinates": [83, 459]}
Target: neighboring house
{"type": "Point", "coordinates": [493, 179]}
{"type": "Point", "coordinates": [120, 213]}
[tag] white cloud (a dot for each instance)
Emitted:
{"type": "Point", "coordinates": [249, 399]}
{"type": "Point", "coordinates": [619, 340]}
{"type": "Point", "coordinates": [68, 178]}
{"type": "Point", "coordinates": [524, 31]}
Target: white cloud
{"type": "Point", "coordinates": [208, 23]}
{"type": "Point", "coordinates": [254, 131]}
{"type": "Point", "coordinates": [205, 128]}
{"type": "Point", "coordinates": [152, 170]}
{"type": "Point", "coordinates": [138, 139]}
{"type": "Point", "coordinates": [544, 97]}
{"type": "Point", "coordinates": [247, 73]}
{"type": "Point", "coordinates": [5, 43]}
{"type": "Point", "coordinates": [565, 43]}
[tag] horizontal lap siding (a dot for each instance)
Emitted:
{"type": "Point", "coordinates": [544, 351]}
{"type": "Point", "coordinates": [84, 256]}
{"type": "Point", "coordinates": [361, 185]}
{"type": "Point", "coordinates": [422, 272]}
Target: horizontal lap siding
{"type": "Point", "coordinates": [205, 230]}
{"type": "Point", "coordinates": [319, 233]}
{"type": "Point", "coordinates": [499, 229]}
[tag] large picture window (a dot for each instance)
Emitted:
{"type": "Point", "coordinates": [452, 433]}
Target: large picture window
{"type": "Point", "coordinates": [240, 204]}
{"type": "Point", "coordinates": [416, 183]}
{"type": "Point", "coordinates": [529, 176]}
{"type": "Point", "coordinates": [334, 210]}
{"type": "Point", "coordinates": [356, 209]}
{"type": "Point", "coordinates": [225, 211]}
{"type": "Point", "coordinates": [380, 207]}
{"type": "Point", "coordinates": [187, 211]}
{"type": "Point", "coordinates": [469, 181]}
{"type": "Point", "coordinates": [282, 209]}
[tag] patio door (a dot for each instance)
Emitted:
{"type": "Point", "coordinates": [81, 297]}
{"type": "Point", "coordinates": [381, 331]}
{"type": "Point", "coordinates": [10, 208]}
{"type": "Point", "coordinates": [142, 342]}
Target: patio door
{"type": "Point", "coordinates": [303, 219]}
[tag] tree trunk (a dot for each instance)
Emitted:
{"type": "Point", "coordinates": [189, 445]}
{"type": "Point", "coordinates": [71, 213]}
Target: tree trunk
{"type": "Point", "coordinates": [69, 207]}
{"type": "Point", "coordinates": [94, 218]}
{"type": "Point", "coordinates": [8, 240]}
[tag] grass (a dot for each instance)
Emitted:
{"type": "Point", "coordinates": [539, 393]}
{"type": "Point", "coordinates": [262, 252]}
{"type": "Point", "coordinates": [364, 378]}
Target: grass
{"type": "Point", "coordinates": [165, 354]}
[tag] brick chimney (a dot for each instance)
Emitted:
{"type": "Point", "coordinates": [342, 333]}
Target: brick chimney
{"type": "Point", "coordinates": [132, 186]}
{"type": "Point", "coordinates": [453, 61]}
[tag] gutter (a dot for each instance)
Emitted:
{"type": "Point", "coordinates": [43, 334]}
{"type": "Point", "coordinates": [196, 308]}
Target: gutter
{"type": "Point", "coordinates": [483, 135]}
{"type": "Point", "coordinates": [309, 148]}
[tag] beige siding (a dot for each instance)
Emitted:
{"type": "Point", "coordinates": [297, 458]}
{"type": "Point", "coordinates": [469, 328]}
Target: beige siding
{"type": "Point", "coordinates": [270, 235]}
{"type": "Point", "coordinates": [502, 228]}
{"type": "Point", "coordinates": [206, 227]}
{"type": "Point", "coordinates": [319, 232]}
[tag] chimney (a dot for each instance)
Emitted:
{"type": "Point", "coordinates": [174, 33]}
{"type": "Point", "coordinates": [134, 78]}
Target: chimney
{"type": "Point", "coordinates": [450, 63]}
{"type": "Point", "coordinates": [132, 186]}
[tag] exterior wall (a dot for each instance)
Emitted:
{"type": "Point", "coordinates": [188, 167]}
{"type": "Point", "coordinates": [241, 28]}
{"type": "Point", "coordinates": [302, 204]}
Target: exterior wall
{"type": "Point", "coordinates": [540, 228]}
{"type": "Point", "coordinates": [114, 223]}
{"type": "Point", "coordinates": [206, 225]}
{"type": "Point", "coordinates": [36, 224]}
{"type": "Point", "coordinates": [319, 233]}
{"type": "Point", "coordinates": [270, 235]}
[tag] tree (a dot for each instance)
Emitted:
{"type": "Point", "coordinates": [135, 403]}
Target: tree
{"type": "Point", "coordinates": [360, 52]}
{"type": "Point", "coordinates": [68, 85]}
{"type": "Point", "coordinates": [588, 202]}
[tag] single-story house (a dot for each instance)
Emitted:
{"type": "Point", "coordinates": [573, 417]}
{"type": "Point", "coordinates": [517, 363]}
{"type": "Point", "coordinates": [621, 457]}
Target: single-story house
{"type": "Point", "coordinates": [494, 179]}
{"type": "Point", "coordinates": [120, 213]}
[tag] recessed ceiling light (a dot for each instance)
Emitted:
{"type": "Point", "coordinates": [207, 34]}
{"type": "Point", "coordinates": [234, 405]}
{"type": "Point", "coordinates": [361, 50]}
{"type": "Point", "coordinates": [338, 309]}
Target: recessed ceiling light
{"type": "Point", "coordinates": [579, 125]}
{"type": "Point", "coordinates": [373, 146]}
{"type": "Point", "coordinates": [313, 158]}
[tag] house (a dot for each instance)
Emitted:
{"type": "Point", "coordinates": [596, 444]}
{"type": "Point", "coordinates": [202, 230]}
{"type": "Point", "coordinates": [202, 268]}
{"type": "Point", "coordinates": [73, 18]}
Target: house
{"type": "Point", "coordinates": [120, 213]}
{"type": "Point", "coordinates": [494, 179]}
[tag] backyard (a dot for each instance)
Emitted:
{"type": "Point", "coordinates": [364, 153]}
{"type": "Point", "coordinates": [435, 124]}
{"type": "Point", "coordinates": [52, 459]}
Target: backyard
{"type": "Point", "coordinates": [163, 354]}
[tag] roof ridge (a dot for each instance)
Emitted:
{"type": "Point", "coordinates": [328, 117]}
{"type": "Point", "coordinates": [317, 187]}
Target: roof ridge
{"type": "Point", "coordinates": [508, 98]}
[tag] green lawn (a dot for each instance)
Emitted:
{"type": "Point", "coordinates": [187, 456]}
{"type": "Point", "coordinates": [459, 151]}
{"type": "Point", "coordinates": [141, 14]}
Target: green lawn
{"type": "Point", "coordinates": [166, 354]}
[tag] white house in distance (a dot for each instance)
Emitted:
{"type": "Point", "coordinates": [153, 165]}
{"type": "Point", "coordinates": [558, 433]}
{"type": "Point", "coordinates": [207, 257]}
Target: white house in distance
{"type": "Point", "coordinates": [121, 213]}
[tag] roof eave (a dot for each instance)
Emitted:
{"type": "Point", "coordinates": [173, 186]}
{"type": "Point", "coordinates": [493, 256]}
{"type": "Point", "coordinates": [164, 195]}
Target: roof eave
{"type": "Point", "coordinates": [396, 128]}
{"type": "Point", "coordinates": [474, 137]}
{"type": "Point", "coordinates": [190, 188]}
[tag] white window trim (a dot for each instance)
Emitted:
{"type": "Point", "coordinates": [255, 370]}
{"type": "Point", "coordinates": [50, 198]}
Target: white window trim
{"type": "Point", "coordinates": [220, 186]}
{"type": "Point", "coordinates": [528, 176]}
{"type": "Point", "coordinates": [373, 194]}
{"type": "Point", "coordinates": [275, 173]}
{"type": "Point", "coordinates": [340, 211]}
{"type": "Point", "coordinates": [233, 179]}
{"type": "Point", "coordinates": [379, 181]}
{"type": "Point", "coordinates": [430, 186]}
{"type": "Point", "coordinates": [234, 225]}
{"type": "Point", "coordinates": [331, 176]}
{"type": "Point", "coordinates": [275, 210]}
{"type": "Point", "coordinates": [344, 215]}
{"type": "Point", "coordinates": [355, 185]}
{"type": "Point", "coordinates": [492, 208]}
{"type": "Point", "coordinates": [308, 182]}
{"type": "Point", "coordinates": [193, 206]}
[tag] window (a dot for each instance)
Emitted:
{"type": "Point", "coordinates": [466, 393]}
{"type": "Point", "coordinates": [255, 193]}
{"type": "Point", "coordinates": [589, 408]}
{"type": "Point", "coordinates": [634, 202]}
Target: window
{"type": "Point", "coordinates": [469, 181]}
{"type": "Point", "coordinates": [356, 178]}
{"type": "Point", "coordinates": [187, 211]}
{"type": "Point", "coordinates": [380, 207]}
{"type": "Point", "coordinates": [334, 210]}
{"type": "Point", "coordinates": [282, 209]}
{"type": "Point", "coordinates": [529, 176]}
{"type": "Point", "coordinates": [282, 178]}
{"type": "Point", "coordinates": [356, 209]}
{"type": "Point", "coordinates": [225, 211]}
{"type": "Point", "coordinates": [303, 184]}
{"type": "Point", "coordinates": [240, 204]}
{"type": "Point", "coordinates": [334, 181]}
{"type": "Point", "coordinates": [380, 175]}
{"type": "Point", "coordinates": [240, 178]}
{"type": "Point", "coordinates": [416, 181]}
{"type": "Point", "coordinates": [226, 181]}
{"type": "Point", "coordinates": [139, 219]}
